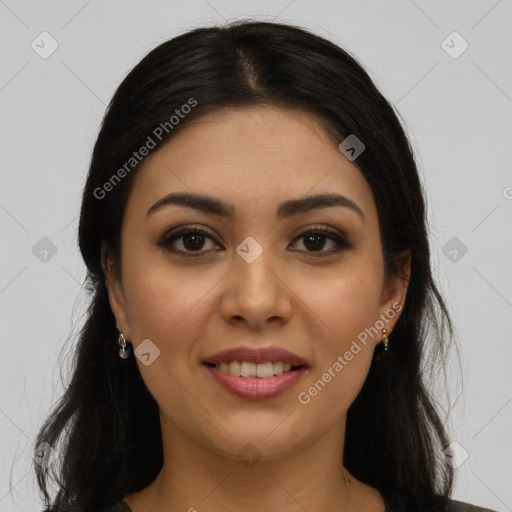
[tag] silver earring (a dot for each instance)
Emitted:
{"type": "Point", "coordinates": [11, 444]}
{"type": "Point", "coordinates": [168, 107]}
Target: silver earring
{"type": "Point", "coordinates": [124, 351]}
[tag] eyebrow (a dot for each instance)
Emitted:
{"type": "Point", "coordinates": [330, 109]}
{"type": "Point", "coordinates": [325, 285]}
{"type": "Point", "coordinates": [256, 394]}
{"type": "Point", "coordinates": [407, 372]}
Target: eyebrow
{"type": "Point", "coordinates": [286, 209]}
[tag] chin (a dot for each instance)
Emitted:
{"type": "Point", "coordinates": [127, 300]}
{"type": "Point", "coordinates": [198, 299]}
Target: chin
{"type": "Point", "coordinates": [258, 440]}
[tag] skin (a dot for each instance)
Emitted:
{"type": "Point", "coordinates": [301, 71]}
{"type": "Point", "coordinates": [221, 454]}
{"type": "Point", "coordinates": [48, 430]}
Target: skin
{"type": "Point", "coordinates": [192, 307]}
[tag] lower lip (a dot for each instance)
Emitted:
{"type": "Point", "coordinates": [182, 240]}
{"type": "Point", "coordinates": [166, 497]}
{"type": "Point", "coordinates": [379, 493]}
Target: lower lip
{"type": "Point", "coordinates": [255, 388]}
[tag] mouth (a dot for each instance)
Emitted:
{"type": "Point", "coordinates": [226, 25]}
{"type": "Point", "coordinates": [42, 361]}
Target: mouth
{"type": "Point", "coordinates": [256, 374]}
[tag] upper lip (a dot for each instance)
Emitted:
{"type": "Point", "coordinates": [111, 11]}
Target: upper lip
{"type": "Point", "coordinates": [255, 355]}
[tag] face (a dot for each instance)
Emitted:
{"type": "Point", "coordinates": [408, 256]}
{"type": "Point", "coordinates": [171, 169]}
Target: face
{"type": "Point", "coordinates": [262, 267]}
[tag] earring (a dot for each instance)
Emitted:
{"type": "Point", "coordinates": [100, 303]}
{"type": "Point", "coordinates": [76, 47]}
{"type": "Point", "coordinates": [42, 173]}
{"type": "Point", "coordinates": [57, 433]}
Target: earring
{"type": "Point", "coordinates": [124, 351]}
{"type": "Point", "coordinates": [385, 339]}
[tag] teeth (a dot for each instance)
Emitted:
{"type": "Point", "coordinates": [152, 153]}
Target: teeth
{"type": "Point", "coordinates": [235, 368]}
{"type": "Point", "coordinates": [249, 369]}
{"type": "Point", "coordinates": [262, 370]}
{"type": "Point", "coordinates": [265, 370]}
{"type": "Point", "coordinates": [278, 368]}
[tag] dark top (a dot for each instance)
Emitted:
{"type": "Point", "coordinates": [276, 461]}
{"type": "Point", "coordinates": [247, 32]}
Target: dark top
{"type": "Point", "coordinates": [453, 506]}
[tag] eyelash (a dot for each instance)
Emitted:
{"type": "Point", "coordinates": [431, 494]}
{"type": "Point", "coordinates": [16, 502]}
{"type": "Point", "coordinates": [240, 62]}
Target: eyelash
{"type": "Point", "coordinates": [170, 237]}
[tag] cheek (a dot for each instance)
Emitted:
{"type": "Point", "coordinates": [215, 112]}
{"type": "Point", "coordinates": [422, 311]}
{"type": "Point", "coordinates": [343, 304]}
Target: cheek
{"type": "Point", "coordinates": [347, 301]}
{"type": "Point", "coordinates": [343, 360]}
{"type": "Point", "coordinates": [166, 305]}
{"type": "Point", "coordinates": [171, 308]}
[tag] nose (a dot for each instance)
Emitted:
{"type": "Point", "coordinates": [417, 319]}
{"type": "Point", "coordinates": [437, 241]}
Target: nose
{"type": "Point", "coordinates": [255, 294]}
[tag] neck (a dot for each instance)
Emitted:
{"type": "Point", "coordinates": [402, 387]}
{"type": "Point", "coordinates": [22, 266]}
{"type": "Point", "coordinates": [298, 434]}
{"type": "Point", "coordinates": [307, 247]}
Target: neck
{"type": "Point", "coordinates": [195, 478]}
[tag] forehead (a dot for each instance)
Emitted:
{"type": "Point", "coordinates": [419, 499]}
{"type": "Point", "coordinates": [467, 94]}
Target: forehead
{"type": "Point", "coordinates": [251, 157]}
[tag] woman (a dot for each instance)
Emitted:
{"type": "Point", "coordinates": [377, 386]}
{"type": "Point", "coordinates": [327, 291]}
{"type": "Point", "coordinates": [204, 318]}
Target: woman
{"type": "Point", "coordinates": [253, 226]}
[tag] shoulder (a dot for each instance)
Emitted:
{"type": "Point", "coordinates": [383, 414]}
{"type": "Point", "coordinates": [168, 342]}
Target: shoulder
{"type": "Point", "coordinates": [460, 506]}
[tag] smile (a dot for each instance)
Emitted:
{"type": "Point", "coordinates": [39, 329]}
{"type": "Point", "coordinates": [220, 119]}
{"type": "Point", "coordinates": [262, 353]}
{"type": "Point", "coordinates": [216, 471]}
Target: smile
{"type": "Point", "coordinates": [256, 373]}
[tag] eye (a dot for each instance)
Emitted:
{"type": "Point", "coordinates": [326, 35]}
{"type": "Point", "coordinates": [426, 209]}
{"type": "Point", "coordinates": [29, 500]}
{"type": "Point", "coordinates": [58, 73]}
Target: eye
{"type": "Point", "coordinates": [315, 239]}
{"type": "Point", "coordinates": [189, 242]}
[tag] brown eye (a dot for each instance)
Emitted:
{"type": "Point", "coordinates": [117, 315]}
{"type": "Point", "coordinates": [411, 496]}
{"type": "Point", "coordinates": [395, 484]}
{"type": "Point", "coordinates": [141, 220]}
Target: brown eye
{"type": "Point", "coordinates": [189, 242]}
{"type": "Point", "coordinates": [315, 241]}
{"type": "Point", "coordinates": [193, 241]}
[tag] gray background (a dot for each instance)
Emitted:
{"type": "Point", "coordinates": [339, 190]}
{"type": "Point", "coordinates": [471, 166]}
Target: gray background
{"type": "Point", "coordinates": [457, 112]}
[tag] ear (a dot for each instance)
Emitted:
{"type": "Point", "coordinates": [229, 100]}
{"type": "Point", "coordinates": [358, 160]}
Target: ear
{"type": "Point", "coordinates": [116, 294]}
{"type": "Point", "coordinates": [395, 290]}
